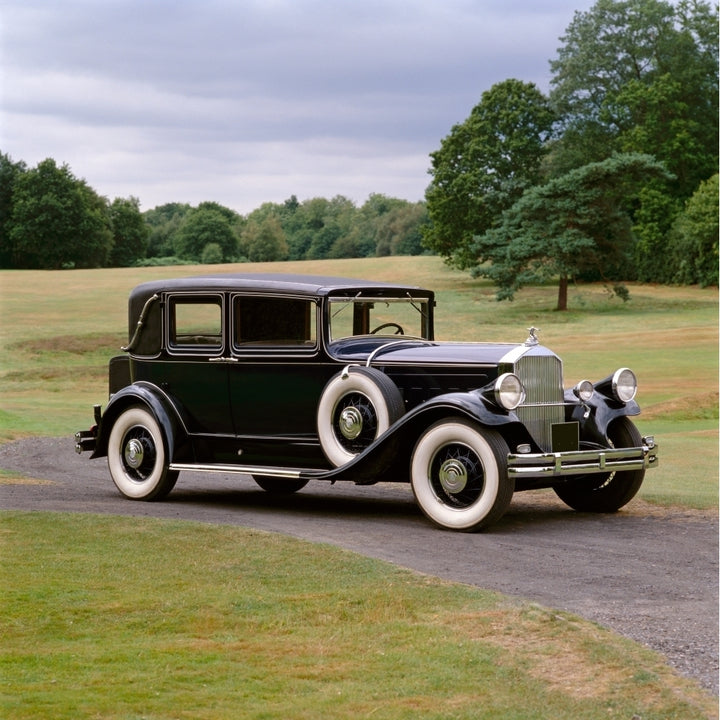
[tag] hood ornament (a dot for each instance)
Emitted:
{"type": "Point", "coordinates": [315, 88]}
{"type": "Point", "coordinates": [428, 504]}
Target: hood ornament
{"type": "Point", "coordinates": [532, 338]}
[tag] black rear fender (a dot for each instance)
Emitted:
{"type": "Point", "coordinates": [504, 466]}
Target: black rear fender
{"type": "Point", "coordinates": [164, 411]}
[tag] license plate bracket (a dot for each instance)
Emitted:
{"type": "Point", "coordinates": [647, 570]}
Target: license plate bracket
{"type": "Point", "coordinates": [566, 437]}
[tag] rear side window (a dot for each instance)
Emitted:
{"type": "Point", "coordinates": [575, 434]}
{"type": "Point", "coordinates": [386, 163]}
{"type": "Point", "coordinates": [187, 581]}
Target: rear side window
{"type": "Point", "coordinates": [195, 323]}
{"type": "Point", "coordinates": [274, 321]}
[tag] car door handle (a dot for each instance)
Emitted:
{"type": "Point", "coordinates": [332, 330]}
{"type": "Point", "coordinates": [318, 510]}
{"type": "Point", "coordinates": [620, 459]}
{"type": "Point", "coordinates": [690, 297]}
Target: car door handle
{"type": "Point", "coordinates": [223, 359]}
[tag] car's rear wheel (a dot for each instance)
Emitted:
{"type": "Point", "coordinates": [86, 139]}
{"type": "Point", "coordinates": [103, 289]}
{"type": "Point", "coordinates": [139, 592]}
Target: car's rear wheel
{"type": "Point", "coordinates": [606, 493]}
{"type": "Point", "coordinates": [459, 475]}
{"type": "Point", "coordinates": [137, 457]}
{"type": "Point", "coordinates": [356, 407]}
{"type": "Point", "coordinates": [280, 485]}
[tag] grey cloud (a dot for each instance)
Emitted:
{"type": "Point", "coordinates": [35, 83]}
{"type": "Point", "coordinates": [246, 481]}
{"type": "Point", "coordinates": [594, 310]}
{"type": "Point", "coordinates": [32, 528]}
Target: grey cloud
{"type": "Point", "coordinates": [217, 84]}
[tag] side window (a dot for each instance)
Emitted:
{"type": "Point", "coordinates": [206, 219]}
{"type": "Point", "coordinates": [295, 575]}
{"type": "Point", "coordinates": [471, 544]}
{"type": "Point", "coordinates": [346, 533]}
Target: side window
{"type": "Point", "coordinates": [278, 321]}
{"type": "Point", "coordinates": [195, 323]}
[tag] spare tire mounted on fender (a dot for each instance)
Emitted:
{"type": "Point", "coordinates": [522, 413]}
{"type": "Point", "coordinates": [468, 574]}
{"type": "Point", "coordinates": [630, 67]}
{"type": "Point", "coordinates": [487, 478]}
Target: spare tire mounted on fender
{"type": "Point", "coordinates": [356, 407]}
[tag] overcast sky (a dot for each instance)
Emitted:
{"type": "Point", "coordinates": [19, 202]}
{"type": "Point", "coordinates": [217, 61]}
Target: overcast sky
{"type": "Point", "coordinates": [248, 101]}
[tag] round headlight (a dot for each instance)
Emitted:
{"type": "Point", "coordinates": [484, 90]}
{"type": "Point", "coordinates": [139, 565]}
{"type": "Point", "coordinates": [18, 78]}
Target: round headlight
{"type": "Point", "coordinates": [624, 384]}
{"type": "Point", "coordinates": [584, 390]}
{"type": "Point", "coordinates": [509, 391]}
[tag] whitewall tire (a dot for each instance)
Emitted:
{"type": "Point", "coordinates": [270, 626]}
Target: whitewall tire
{"type": "Point", "coordinates": [356, 407]}
{"type": "Point", "coordinates": [458, 473]}
{"type": "Point", "coordinates": [137, 457]}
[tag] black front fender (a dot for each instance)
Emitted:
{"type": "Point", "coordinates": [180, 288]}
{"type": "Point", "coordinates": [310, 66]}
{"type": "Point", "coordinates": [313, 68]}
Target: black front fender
{"type": "Point", "coordinates": [162, 408]}
{"type": "Point", "coordinates": [596, 416]}
{"type": "Point", "coordinates": [388, 458]}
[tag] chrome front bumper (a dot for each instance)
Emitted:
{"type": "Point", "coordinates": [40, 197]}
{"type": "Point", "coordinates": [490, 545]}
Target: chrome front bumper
{"type": "Point", "coordinates": [584, 462]}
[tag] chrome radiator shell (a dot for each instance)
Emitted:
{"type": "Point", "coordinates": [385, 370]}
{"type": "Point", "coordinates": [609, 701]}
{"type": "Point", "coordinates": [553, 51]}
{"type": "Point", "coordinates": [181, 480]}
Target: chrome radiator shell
{"type": "Point", "coordinates": [541, 372]}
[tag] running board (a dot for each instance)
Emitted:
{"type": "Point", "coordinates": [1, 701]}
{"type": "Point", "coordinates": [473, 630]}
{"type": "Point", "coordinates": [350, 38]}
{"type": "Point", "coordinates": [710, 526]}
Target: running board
{"type": "Point", "coordinates": [259, 470]}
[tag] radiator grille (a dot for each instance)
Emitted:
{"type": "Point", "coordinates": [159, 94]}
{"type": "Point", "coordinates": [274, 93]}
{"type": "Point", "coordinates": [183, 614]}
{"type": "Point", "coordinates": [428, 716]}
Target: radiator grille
{"type": "Point", "coordinates": [542, 377]}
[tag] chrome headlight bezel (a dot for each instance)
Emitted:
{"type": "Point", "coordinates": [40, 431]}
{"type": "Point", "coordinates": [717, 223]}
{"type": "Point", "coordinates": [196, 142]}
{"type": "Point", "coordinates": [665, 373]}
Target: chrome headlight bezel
{"type": "Point", "coordinates": [508, 391]}
{"type": "Point", "coordinates": [624, 385]}
{"type": "Point", "coordinates": [584, 391]}
{"type": "Point", "coordinates": [620, 387]}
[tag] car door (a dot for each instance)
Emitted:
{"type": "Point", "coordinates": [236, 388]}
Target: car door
{"type": "Point", "coordinates": [276, 378]}
{"type": "Point", "coordinates": [191, 369]}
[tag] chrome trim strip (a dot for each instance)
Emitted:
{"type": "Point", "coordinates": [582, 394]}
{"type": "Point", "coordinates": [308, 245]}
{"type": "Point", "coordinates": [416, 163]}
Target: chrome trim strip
{"type": "Point", "coordinates": [515, 354]}
{"type": "Point", "coordinates": [392, 343]}
{"type": "Point", "coordinates": [260, 470]}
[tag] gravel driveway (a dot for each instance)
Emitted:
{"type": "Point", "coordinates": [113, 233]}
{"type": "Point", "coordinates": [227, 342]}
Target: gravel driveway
{"type": "Point", "coordinates": [649, 574]}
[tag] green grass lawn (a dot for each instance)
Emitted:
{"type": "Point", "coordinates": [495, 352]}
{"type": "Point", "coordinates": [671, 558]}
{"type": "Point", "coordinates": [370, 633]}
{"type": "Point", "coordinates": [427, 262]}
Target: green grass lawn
{"type": "Point", "coordinates": [112, 617]}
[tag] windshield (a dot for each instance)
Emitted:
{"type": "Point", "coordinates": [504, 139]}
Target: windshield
{"type": "Point", "coordinates": [379, 316]}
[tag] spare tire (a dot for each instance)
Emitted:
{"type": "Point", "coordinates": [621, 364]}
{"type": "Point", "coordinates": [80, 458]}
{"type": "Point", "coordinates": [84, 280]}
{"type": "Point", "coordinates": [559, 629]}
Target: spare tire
{"type": "Point", "coordinates": [356, 407]}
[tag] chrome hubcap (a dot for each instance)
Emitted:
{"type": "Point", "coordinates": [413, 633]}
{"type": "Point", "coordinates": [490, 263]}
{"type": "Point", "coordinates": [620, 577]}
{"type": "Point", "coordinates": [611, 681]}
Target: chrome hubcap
{"type": "Point", "coordinates": [134, 453]}
{"type": "Point", "coordinates": [453, 476]}
{"type": "Point", "coordinates": [351, 423]}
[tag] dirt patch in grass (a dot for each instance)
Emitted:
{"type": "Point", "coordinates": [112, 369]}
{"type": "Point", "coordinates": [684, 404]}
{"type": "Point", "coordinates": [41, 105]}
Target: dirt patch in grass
{"type": "Point", "coordinates": [571, 655]}
{"type": "Point", "coordinates": [73, 344]}
{"type": "Point", "coordinates": [63, 358]}
{"type": "Point", "coordinates": [15, 479]}
{"type": "Point", "coordinates": [678, 337]}
{"type": "Point", "coordinates": [49, 374]}
{"type": "Point", "coordinates": [689, 407]}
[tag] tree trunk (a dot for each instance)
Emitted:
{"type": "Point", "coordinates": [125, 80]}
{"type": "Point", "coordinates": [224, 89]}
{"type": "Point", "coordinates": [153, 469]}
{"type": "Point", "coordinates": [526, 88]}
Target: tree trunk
{"type": "Point", "coordinates": [562, 293]}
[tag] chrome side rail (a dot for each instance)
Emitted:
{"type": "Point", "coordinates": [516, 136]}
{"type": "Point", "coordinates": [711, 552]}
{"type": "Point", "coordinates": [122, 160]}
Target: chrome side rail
{"type": "Point", "coordinates": [259, 470]}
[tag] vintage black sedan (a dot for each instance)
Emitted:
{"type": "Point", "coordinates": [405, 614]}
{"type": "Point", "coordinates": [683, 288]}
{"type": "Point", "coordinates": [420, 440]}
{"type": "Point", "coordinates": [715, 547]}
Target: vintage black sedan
{"type": "Point", "coordinates": [292, 378]}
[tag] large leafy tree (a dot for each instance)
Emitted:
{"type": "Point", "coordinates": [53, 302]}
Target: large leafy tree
{"type": "Point", "coordinates": [574, 224]}
{"type": "Point", "coordinates": [334, 225]}
{"type": "Point", "coordinates": [130, 232]}
{"type": "Point", "coordinates": [399, 231]}
{"type": "Point", "coordinates": [9, 172]}
{"type": "Point", "coordinates": [640, 76]}
{"type": "Point", "coordinates": [265, 240]}
{"type": "Point", "coordinates": [694, 240]}
{"type": "Point", "coordinates": [57, 220]}
{"type": "Point", "coordinates": [164, 222]}
{"type": "Point", "coordinates": [484, 165]}
{"type": "Point", "coordinates": [202, 226]}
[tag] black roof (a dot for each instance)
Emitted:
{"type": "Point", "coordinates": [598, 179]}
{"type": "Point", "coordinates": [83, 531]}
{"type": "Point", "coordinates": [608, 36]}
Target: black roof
{"type": "Point", "coordinates": [275, 282]}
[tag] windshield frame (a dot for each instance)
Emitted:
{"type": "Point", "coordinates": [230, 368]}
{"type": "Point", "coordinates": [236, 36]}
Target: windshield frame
{"type": "Point", "coordinates": [407, 314]}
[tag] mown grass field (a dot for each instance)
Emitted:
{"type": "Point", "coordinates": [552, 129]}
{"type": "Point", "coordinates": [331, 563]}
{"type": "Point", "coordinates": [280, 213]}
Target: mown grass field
{"type": "Point", "coordinates": [127, 618]}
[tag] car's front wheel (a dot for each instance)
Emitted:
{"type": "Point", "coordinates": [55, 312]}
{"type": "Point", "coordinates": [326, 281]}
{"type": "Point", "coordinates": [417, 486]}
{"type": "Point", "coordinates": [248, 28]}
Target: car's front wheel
{"type": "Point", "coordinates": [606, 493]}
{"type": "Point", "coordinates": [459, 475]}
{"type": "Point", "coordinates": [137, 457]}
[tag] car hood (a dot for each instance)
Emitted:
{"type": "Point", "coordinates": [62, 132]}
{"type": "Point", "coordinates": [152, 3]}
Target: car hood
{"type": "Point", "coordinates": [414, 352]}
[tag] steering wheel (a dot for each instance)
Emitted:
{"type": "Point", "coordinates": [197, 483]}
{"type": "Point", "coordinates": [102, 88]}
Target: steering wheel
{"type": "Point", "coordinates": [398, 331]}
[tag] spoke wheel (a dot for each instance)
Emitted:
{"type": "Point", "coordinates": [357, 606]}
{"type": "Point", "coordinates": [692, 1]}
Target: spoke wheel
{"type": "Point", "coordinates": [356, 407]}
{"type": "Point", "coordinates": [137, 457]}
{"type": "Point", "coordinates": [459, 475]}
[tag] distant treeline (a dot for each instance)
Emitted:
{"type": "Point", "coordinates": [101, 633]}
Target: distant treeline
{"type": "Point", "coordinates": [309, 230]}
{"type": "Point", "coordinates": [49, 219]}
